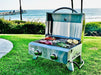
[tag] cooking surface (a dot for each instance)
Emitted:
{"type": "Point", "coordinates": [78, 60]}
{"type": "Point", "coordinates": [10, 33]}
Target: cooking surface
{"type": "Point", "coordinates": [59, 42]}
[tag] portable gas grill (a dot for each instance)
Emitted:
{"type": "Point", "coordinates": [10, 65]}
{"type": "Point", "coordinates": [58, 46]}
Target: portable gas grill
{"type": "Point", "coordinates": [64, 36]}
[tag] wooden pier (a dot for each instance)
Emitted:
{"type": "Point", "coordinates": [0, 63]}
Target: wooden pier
{"type": "Point", "coordinates": [11, 13]}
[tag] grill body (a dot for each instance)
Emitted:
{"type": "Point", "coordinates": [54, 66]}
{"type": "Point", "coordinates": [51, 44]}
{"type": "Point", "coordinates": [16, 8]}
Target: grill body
{"type": "Point", "coordinates": [62, 25]}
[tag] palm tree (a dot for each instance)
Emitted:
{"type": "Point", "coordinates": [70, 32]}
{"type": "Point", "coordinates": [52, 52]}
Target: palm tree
{"type": "Point", "coordinates": [81, 5]}
{"type": "Point", "coordinates": [20, 10]}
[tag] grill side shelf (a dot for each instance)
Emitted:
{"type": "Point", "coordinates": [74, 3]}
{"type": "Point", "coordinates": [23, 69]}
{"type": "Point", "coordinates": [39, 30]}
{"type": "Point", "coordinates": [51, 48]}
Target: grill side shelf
{"type": "Point", "coordinates": [75, 52]}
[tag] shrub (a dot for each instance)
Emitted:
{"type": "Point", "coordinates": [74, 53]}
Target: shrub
{"type": "Point", "coordinates": [21, 27]}
{"type": "Point", "coordinates": [4, 26]}
{"type": "Point", "coordinates": [93, 29]}
{"type": "Point", "coordinates": [18, 21]}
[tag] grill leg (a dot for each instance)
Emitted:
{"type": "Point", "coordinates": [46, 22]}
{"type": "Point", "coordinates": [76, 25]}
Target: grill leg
{"type": "Point", "coordinates": [35, 57]}
{"type": "Point", "coordinates": [80, 59]}
{"type": "Point", "coordinates": [70, 66]}
{"type": "Point", "coordinates": [80, 62]}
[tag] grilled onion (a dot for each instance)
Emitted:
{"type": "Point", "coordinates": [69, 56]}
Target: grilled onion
{"type": "Point", "coordinates": [75, 41]}
{"type": "Point", "coordinates": [70, 41]}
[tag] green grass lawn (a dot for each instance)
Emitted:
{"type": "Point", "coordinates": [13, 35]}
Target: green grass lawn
{"type": "Point", "coordinates": [19, 62]}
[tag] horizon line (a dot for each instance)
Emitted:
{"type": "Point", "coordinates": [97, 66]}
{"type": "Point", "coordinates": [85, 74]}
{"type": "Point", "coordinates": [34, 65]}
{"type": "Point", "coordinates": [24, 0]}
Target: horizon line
{"type": "Point", "coordinates": [46, 9]}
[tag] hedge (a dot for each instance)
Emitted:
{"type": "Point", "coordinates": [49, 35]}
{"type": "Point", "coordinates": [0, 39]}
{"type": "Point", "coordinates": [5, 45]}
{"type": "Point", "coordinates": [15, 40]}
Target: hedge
{"type": "Point", "coordinates": [93, 29]}
{"type": "Point", "coordinates": [21, 27]}
{"type": "Point", "coordinates": [24, 27]}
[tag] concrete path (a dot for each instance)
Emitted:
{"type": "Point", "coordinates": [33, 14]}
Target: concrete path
{"type": "Point", "coordinates": [5, 47]}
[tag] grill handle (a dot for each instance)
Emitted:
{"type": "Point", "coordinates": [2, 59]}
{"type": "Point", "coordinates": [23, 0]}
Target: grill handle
{"type": "Point", "coordinates": [65, 8]}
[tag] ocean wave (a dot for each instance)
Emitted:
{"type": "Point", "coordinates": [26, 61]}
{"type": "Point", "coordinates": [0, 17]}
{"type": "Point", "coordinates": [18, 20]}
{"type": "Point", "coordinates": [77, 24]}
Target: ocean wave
{"type": "Point", "coordinates": [40, 15]}
{"type": "Point", "coordinates": [93, 17]}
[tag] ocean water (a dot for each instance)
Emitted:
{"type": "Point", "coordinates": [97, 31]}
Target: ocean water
{"type": "Point", "coordinates": [93, 14]}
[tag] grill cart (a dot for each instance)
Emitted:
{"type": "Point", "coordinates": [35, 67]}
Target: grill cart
{"type": "Point", "coordinates": [64, 36]}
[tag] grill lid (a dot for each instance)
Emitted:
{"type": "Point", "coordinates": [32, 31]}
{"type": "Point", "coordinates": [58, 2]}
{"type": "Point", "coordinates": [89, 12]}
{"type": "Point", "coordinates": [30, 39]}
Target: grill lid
{"type": "Point", "coordinates": [68, 25]}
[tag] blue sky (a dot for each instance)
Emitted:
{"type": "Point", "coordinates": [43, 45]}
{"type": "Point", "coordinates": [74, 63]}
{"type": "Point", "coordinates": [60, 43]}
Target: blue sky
{"type": "Point", "coordinates": [46, 4]}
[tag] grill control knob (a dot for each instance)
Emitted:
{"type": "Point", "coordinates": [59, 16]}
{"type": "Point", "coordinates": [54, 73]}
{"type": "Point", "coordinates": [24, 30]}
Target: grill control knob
{"type": "Point", "coordinates": [37, 52]}
{"type": "Point", "coordinates": [53, 56]}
